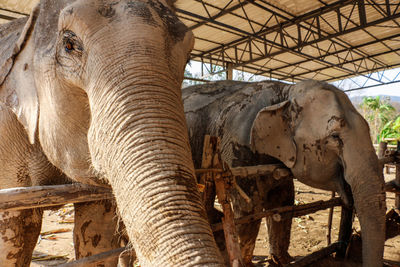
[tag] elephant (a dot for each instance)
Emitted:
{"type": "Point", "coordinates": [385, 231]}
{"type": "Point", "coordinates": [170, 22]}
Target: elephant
{"type": "Point", "coordinates": [313, 129]}
{"type": "Point", "coordinates": [90, 93]}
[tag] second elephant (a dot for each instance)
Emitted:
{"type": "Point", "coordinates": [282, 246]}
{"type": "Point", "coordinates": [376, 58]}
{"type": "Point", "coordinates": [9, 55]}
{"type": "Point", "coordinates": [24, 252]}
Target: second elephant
{"type": "Point", "coordinates": [312, 128]}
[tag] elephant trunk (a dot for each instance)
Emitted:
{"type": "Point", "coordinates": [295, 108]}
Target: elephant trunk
{"type": "Point", "coordinates": [138, 141]}
{"type": "Point", "coordinates": [367, 186]}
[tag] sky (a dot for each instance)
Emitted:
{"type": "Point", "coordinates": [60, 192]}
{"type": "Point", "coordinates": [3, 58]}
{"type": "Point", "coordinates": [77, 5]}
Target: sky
{"type": "Point", "coordinates": [386, 76]}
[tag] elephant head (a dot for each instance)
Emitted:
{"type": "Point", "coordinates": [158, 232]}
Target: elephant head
{"type": "Point", "coordinates": [323, 139]}
{"type": "Point", "coordinates": [97, 84]}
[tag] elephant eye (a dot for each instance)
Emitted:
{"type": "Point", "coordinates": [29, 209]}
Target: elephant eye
{"type": "Point", "coordinates": [71, 42]}
{"type": "Point", "coordinates": [69, 46]}
{"type": "Point", "coordinates": [335, 135]}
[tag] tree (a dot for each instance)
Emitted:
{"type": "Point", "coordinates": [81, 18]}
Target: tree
{"type": "Point", "coordinates": [378, 112]}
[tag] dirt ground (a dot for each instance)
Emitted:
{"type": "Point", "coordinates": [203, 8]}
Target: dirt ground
{"type": "Point", "coordinates": [308, 232]}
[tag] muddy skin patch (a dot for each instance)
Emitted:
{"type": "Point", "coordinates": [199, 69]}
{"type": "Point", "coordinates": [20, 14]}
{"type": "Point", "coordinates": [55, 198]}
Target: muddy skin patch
{"type": "Point", "coordinates": [83, 230]}
{"type": "Point", "coordinates": [243, 156]}
{"type": "Point", "coordinates": [107, 10]}
{"type": "Point", "coordinates": [95, 240]}
{"type": "Point", "coordinates": [77, 245]}
{"type": "Point", "coordinates": [70, 11]}
{"type": "Point", "coordinates": [107, 206]}
{"type": "Point", "coordinates": [176, 29]}
{"type": "Point", "coordinates": [23, 176]}
{"type": "Point", "coordinates": [140, 9]}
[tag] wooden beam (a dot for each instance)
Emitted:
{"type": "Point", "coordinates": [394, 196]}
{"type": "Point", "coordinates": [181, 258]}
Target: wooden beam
{"type": "Point", "coordinates": [51, 195]}
{"type": "Point", "coordinates": [315, 256]}
{"type": "Point", "coordinates": [392, 187]}
{"type": "Point", "coordinates": [296, 211]}
{"type": "Point", "coordinates": [279, 170]}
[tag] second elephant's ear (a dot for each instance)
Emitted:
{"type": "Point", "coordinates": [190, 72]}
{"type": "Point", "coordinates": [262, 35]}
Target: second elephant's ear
{"type": "Point", "coordinates": [271, 133]}
{"type": "Point", "coordinates": [16, 57]}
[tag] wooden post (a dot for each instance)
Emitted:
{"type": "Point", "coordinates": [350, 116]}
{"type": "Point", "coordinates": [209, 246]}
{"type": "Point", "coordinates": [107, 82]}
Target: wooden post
{"type": "Point", "coordinates": [330, 217]}
{"type": "Point", "coordinates": [206, 178]}
{"type": "Point", "coordinates": [397, 179]}
{"type": "Point", "coordinates": [212, 157]}
{"type": "Point", "coordinates": [382, 149]}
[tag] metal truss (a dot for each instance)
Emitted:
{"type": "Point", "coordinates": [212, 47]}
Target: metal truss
{"type": "Point", "coordinates": [283, 32]}
{"type": "Point", "coordinates": [384, 77]}
{"type": "Point", "coordinates": [317, 36]}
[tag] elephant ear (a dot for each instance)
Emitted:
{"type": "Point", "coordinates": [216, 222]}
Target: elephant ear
{"type": "Point", "coordinates": [19, 94]}
{"type": "Point", "coordinates": [271, 133]}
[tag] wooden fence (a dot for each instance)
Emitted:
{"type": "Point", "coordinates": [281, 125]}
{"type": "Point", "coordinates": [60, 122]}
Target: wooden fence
{"type": "Point", "coordinates": [213, 171]}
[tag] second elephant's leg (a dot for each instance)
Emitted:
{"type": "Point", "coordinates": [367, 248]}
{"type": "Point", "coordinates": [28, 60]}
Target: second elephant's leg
{"type": "Point", "coordinates": [279, 231]}
{"type": "Point", "coordinates": [96, 230]}
{"type": "Point", "coordinates": [248, 236]}
{"type": "Point", "coordinates": [19, 231]}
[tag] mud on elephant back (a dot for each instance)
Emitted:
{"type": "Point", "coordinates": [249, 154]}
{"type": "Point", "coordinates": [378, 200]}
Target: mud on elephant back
{"type": "Point", "coordinates": [312, 128]}
{"type": "Point", "coordinates": [90, 92]}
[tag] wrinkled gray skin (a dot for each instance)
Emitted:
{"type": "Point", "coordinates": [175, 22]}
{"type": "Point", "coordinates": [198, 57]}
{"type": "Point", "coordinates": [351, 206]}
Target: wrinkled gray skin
{"type": "Point", "coordinates": [311, 127]}
{"type": "Point", "coordinates": [90, 92]}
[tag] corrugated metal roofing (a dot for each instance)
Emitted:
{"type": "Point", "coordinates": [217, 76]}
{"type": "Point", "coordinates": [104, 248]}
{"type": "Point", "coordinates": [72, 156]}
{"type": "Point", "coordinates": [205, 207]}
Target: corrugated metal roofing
{"type": "Point", "coordinates": [287, 39]}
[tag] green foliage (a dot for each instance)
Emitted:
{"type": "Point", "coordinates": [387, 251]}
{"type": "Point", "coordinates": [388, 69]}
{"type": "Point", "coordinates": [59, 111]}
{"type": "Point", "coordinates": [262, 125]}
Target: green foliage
{"type": "Point", "coordinates": [390, 130]}
{"type": "Point", "coordinates": [380, 115]}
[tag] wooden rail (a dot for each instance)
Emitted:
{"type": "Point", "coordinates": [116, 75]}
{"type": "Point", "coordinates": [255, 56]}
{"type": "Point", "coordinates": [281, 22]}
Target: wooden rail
{"type": "Point", "coordinates": [315, 256]}
{"type": "Point", "coordinates": [51, 195]}
{"type": "Point", "coordinates": [57, 195]}
{"type": "Point", "coordinates": [278, 170]}
{"type": "Point", "coordinates": [295, 211]}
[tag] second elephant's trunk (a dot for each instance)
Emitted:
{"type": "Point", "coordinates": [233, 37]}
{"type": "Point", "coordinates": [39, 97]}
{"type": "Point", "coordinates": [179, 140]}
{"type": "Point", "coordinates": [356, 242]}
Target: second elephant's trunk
{"type": "Point", "coordinates": [138, 140]}
{"type": "Point", "coordinates": [367, 186]}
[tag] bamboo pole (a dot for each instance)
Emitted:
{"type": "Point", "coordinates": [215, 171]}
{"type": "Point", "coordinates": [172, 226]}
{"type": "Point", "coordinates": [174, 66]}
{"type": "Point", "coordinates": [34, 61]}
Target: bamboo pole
{"type": "Point", "coordinates": [296, 211]}
{"type": "Point", "coordinates": [51, 195]}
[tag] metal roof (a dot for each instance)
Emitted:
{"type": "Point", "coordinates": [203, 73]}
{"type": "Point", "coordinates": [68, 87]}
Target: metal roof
{"type": "Point", "coordinates": [288, 40]}
{"type": "Point", "coordinates": [293, 40]}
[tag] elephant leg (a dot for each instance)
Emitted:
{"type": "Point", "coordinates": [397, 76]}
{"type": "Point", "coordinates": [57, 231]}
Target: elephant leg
{"type": "Point", "coordinates": [346, 224]}
{"type": "Point", "coordinates": [21, 164]}
{"type": "Point", "coordinates": [19, 231]}
{"type": "Point", "coordinates": [96, 230]}
{"type": "Point", "coordinates": [248, 236]}
{"type": "Point", "coordinates": [279, 231]}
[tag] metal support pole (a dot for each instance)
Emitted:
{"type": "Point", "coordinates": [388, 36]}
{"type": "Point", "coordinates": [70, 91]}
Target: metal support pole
{"type": "Point", "coordinates": [229, 71]}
